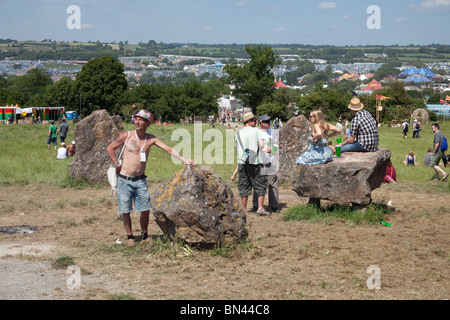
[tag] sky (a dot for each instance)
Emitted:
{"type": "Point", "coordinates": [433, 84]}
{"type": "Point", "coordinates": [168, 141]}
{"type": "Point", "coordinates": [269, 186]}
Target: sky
{"type": "Point", "coordinates": [309, 22]}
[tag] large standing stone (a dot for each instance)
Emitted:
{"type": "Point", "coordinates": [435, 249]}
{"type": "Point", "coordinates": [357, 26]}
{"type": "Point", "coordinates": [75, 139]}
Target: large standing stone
{"type": "Point", "coordinates": [293, 141]}
{"type": "Point", "coordinates": [348, 179]}
{"type": "Point", "coordinates": [92, 135]}
{"type": "Point", "coordinates": [198, 207]}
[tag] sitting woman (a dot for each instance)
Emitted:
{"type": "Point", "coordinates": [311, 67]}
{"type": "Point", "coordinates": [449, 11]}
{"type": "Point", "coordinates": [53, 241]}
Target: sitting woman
{"type": "Point", "coordinates": [410, 159]}
{"type": "Point", "coordinates": [347, 133]}
{"type": "Point", "coordinates": [318, 152]}
{"type": "Point", "coordinates": [390, 175]}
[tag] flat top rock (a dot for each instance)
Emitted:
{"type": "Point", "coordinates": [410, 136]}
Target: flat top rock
{"type": "Point", "coordinates": [360, 157]}
{"type": "Point", "coordinates": [349, 178]}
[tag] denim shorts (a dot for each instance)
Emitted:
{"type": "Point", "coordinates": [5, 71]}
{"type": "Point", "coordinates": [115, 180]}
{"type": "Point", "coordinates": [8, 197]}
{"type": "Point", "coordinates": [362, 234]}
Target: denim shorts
{"type": "Point", "coordinates": [133, 191]}
{"type": "Point", "coordinates": [353, 147]}
{"type": "Point", "coordinates": [52, 140]}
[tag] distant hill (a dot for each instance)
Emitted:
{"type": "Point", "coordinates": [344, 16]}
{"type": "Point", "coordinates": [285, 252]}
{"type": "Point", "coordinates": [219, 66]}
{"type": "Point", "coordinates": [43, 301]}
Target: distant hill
{"type": "Point", "coordinates": [57, 50]}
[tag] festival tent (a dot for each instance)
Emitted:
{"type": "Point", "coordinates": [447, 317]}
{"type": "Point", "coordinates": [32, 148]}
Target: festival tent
{"type": "Point", "coordinates": [416, 78]}
{"type": "Point", "coordinates": [409, 72]}
{"type": "Point", "coordinates": [373, 85]}
{"type": "Point", "coordinates": [429, 73]}
{"type": "Point", "coordinates": [347, 76]}
{"type": "Point", "coordinates": [280, 84]}
{"type": "Point", "coordinates": [10, 110]}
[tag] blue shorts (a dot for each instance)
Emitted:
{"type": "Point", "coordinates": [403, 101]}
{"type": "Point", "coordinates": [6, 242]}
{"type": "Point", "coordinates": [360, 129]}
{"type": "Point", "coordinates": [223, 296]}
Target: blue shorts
{"type": "Point", "coordinates": [52, 140]}
{"type": "Point", "coordinates": [132, 191]}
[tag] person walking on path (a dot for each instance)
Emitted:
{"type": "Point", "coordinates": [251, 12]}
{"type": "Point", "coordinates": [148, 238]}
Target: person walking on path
{"type": "Point", "coordinates": [437, 152]}
{"type": "Point", "coordinates": [132, 185]}
{"type": "Point", "coordinates": [416, 129]}
{"type": "Point", "coordinates": [52, 137]}
{"type": "Point", "coordinates": [405, 127]}
{"type": "Point", "coordinates": [62, 131]}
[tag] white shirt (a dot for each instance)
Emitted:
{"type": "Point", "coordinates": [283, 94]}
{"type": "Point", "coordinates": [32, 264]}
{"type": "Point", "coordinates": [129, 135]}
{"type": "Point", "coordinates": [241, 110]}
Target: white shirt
{"type": "Point", "coordinates": [61, 153]}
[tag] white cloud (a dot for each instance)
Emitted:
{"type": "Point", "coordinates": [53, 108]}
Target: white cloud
{"type": "Point", "coordinates": [431, 6]}
{"type": "Point", "coordinates": [327, 5]}
{"type": "Point", "coordinates": [242, 3]}
{"type": "Point", "coordinates": [280, 29]}
{"type": "Point", "coordinates": [207, 28]}
{"type": "Point", "coordinates": [400, 20]}
{"type": "Point", "coordinates": [87, 26]}
{"type": "Point", "coordinates": [346, 17]}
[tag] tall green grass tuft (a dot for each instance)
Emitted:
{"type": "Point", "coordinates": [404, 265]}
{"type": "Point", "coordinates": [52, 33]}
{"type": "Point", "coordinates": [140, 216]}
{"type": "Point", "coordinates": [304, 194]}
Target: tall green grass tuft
{"type": "Point", "coordinates": [372, 214]}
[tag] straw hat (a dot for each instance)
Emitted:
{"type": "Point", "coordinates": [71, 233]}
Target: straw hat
{"type": "Point", "coordinates": [355, 105]}
{"type": "Point", "coordinates": [248, 116]}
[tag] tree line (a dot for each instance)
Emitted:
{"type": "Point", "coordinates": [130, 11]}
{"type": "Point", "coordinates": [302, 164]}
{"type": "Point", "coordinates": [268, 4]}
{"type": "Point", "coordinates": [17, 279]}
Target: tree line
{"type": "Point", "coordinates": [102, 84]}
{"type": "Point", "coordinates": [55, 50]}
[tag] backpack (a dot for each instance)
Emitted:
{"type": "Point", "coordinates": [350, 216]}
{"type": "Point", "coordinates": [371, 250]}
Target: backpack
{"type": "Point", "coordinates": [444, 145]}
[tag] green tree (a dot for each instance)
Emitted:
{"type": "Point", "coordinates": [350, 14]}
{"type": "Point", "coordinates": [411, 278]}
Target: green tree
{"type": "Point", "coordinates": [303, 67]}
{"type": "Point", "coordinates": [272, 109]}
{"type": "Point", "coordinates": [62, 93]}
{"type": "Point", "coordinates": [101, 83]}
{"type": "Point", "coordinates": [28, 90]}
{"type": "Point", "coordinates": [386, 69]}
{"type": "Point", "coordinates": [254, 81]}
{"type": "Point", "coordinates": [333, 102]}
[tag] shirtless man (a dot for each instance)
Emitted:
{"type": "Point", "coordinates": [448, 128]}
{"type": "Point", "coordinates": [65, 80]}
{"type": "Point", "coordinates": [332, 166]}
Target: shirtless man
{"type": "Point", "coordinates": [132, 184]}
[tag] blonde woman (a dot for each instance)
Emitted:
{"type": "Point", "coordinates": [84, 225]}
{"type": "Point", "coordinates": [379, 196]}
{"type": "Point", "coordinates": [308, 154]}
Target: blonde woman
{"type": "Point", "coordinates": [319, 152]}
{"type": "Point", "coordinates": [410, 159]}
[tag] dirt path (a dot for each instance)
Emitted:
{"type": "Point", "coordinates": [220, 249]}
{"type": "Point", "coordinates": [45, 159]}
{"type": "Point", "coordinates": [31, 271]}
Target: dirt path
{"type": "Point", "coordinates": [281, 260]}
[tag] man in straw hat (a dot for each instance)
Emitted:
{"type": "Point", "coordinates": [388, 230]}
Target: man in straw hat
{"type": "Point", "coordinates": [249, 142]}
{"type": "Point", "coordinates": [132, 184]}
{"type": "Point", "coordinates": [363, 130]}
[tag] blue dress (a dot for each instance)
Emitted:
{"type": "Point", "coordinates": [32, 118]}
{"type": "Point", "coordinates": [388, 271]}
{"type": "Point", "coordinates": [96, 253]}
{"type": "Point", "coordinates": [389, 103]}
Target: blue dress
{"type": "Point", "coordinates": [318, 152]}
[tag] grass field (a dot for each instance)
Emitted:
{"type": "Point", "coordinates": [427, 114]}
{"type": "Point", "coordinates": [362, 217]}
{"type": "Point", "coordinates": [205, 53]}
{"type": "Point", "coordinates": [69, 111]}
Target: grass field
{"type": "Point", "coordinates": [26, 160]}
{"type": "Point", "coordinates": [302, 253]}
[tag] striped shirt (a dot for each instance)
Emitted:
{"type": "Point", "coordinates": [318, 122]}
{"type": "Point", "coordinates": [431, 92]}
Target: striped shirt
{"type": "Point", "coordinates": [364, 128]}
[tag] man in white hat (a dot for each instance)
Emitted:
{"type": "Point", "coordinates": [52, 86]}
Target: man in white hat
{"type": "Point", "coordinates": [71, 149]}
{"type": "Point", "coordinates": [132, 184]}
{"type": "Point", "coordinates": [363, 130]}
{"type": "Point", "coordinates": [249, 142]}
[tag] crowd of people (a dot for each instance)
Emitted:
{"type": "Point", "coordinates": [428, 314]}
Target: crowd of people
{"type": "Point", "coordinates": [63, 151]}
{"type": "Point", "coordinates": [257, 159]}
{"type": "Point", "coordinates": [361, 135]}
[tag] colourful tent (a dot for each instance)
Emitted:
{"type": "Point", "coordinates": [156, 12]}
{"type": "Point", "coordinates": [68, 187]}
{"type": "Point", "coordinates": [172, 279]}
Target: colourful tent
{"type": "Point", "coordinates": [416, 78]}
{"type": "Point", "coordinates": [373, 85]}
{"type": "Point", "coordinates": [280, 84]}
{"type": "Point", "coordinates": [6, 112]}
